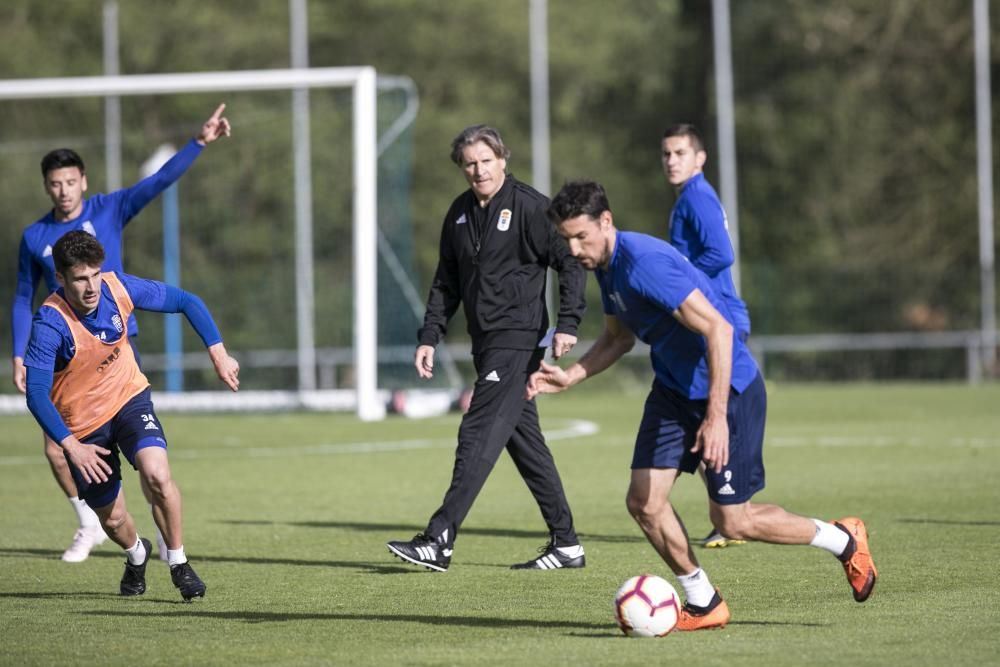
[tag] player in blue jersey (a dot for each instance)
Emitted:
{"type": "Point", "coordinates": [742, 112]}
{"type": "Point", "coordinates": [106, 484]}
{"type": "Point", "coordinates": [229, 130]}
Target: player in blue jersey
{"type": "Point", "coordinates": [86, 390]}
{"type": "Point", "coordinates": [707, 403]}
{"type": "Point", "coordinates": [104, 216]}
{"type": "Point", "coordinates": [699, 229]}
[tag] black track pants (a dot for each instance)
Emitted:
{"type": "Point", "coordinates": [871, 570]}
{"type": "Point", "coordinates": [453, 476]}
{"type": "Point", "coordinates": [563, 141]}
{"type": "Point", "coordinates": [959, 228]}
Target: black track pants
{"type": "Point", "coordinates": [499, 417]}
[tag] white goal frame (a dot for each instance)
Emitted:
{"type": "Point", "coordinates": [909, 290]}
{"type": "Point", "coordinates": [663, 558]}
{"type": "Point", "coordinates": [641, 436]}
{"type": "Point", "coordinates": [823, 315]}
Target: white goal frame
{"type": "Point", "coordinates": [367, 402]}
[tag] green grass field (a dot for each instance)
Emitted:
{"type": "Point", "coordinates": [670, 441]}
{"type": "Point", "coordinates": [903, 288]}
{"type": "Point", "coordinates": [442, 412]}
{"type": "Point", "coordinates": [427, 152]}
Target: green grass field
{"type": "Point", "coordinates": [287, 515]}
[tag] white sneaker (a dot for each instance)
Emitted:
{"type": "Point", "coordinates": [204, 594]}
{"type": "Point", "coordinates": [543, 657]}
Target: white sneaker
{"type": "Point", "coordinates": [84, 539]}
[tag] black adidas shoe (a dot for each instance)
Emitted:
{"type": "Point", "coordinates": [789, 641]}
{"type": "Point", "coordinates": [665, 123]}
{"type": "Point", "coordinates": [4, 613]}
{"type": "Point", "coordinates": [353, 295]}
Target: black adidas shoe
{"type": "Point", "coordinates": [553, 559]}
{"type": "Point", "coordinates": [187, 582]}
{"type": "Point", "coordinates": [422, 550]}
{"type": "Point", "coordinates": [134, 578]}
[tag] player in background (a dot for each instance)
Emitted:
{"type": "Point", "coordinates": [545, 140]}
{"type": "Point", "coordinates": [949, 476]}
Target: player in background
{"type": "Point", "coordinates": [700, 231]}
{"type": "Point", "coordinates": [105, 217]}
{"type": "Point", "coordinates": [707, 403]}
{"type": "Point", "coordinates": [495, 249]}
{"type": "Point", "coordinates": [86, 390]}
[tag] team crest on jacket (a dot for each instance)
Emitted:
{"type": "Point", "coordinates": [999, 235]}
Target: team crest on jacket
{"type": "Point", "coordinates": [503, 224]}
{"type": "Point", "coordinates": [116, 319]}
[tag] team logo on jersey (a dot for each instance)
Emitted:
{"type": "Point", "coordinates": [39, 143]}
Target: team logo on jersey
{"type": "Point", "coordinates": [503, 224]}
{"type": "Point", "coordinates": [47, 252]}
{"type": "Point", "coordinates": [461, 220]}
{"type": "Point", "coordinates": [116, 320]}
{"type": "Point", "coordinates": [89, 228]}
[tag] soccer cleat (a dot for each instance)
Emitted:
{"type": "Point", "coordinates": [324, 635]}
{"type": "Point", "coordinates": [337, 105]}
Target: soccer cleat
{"type": "Point", "coordinates": [554, 558]}
{"type": "Point", "coordinates": [715, 615]}
{"type": "Point", "coordinates": [84, 539]}
{"type": "Point", "coordinates": [187, 582]}
{"type": "Point", "coordinates": [134, 579]}
{"type": "Point", "coordinates": [857, 559]}
{"type": "Point", "coordinates": [422, 550]}
{"type": "Point", "coordinates": [715, 540]}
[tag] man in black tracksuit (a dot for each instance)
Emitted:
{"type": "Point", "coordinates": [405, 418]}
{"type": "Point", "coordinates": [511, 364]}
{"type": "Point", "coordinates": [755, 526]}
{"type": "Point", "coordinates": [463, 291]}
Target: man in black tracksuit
{"type": "Point", "coordinates": [496, 246]}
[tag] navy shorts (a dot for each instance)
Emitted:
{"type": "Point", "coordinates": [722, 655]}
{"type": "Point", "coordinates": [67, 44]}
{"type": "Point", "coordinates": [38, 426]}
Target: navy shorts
{"type": "Point", "coordinates": [667, 433]}
{"type": "Point", "coordinates": [135, 427]}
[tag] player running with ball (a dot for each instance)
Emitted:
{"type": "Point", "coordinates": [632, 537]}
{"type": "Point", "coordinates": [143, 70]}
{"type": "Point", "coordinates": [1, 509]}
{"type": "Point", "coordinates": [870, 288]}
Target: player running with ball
{"type": "Point", "coordinates": [707, 403]}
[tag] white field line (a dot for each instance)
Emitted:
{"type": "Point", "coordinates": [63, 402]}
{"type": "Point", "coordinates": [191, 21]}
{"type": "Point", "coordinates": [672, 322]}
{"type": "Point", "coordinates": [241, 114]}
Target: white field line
{"type": "Point", "coordinates": [572, 429]}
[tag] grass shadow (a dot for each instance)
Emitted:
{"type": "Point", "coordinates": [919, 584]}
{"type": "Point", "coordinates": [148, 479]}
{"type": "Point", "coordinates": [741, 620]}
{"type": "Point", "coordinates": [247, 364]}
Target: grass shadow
{"type": "Point", "coordinates": [407, 528]}
{"type": "Point", "coordinates": [426, 619]}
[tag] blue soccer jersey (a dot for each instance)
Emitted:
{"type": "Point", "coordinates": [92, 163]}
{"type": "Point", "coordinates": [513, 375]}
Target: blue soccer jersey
{"type": "Point", "coordinates": [646, 281]}
{"type": "Point", "coordinates": [699, 230]}
{"type": "Point", "coordinates": [51, 345]}
{"type": "Point", "coordinates": [104, 216]}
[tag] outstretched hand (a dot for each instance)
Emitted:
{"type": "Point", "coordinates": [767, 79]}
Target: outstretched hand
{"type": "Point", "coordinates": [227, 368]}
{"type": "Point", "coordinates": [216, 126]}
{"type": "Point", "coordinates": [548, 379]}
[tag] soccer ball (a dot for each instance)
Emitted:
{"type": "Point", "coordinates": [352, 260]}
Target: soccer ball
{"type": "Point", "coordinates": [647, 606]}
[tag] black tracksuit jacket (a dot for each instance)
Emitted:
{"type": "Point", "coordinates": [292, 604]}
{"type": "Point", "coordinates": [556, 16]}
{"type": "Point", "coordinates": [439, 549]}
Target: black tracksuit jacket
{"type": "Point", "coordinates": [497, 270]}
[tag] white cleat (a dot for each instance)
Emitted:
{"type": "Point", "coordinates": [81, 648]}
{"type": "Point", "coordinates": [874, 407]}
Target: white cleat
{"type": "Point", "coordinates": [84, 539]}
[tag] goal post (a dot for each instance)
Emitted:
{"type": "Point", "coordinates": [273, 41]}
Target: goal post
{"type": "Point", "coordinates": [363, 83]}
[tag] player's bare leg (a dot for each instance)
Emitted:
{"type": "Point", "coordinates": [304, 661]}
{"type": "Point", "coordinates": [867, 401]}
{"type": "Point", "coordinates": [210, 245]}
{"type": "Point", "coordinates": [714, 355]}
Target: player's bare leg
{"type": "Point", "coordinates": [120, 527]}
{"type": "Point", "coordinates": [154, 470]}
{"type": "Point", "coordinates": [847, 538]}
{"type": "Point", "coordinates": [648, 502]}
{"type": "Point", "coordinates": [163, 494]}
{"type": "Point", "coordinates": [161, 544]}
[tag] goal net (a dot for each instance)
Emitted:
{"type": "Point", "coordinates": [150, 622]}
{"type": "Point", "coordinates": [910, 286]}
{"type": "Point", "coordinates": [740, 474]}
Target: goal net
{"type": "Point", "coordinates": [295, 231]}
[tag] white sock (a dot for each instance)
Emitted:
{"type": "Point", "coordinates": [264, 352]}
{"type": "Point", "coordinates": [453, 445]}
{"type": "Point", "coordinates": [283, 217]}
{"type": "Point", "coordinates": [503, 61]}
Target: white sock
{"type": "Point", "coordinates": [574, 551]}
{"type": "Point", "coordinates": [137, 554]}
{"type": "Point", "coordinates": [697, 588]}
{"type": "Point", "coordinates": [829, 537]}
{"type": "Point", "coordinates": [176, 556]}
{"type": "Point", "coordinates": [85, 515]}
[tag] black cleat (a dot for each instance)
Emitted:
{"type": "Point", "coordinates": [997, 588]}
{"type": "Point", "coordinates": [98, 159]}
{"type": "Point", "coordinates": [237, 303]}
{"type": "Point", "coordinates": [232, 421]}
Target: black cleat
{"type": "Point", "coordinates": [134, 578]}
{"type": "Point", "coordinates": [422, 550]}
{"type": "Point", "coordinates": [187, 582]}
{"type": "Point", "coordinates": [553, 559]}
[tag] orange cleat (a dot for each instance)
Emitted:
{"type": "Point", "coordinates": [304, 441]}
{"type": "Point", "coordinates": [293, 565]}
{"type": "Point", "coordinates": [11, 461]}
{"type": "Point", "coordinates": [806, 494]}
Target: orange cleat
{"type": "Point", "coordinates": [860, 567]}
{"type": "Point", "coordinates": [715, 615]}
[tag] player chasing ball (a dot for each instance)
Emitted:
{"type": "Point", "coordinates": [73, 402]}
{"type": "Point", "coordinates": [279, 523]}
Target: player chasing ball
{"type": "Point", "coordinates": [707, 403]}
{"type": "Point", "coordinates": [85, 389]}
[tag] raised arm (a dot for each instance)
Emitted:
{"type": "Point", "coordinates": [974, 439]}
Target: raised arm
{"type": "Point", "coordinates": [700, 316]}
{"type": "Point", "coordinates": [159, 297]}
{"type": "Point", "coordinates": [135, 198]}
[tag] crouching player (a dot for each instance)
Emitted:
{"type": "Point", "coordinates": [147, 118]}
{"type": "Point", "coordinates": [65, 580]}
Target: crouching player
{"type": "Point", "coordinates": [85, 389]}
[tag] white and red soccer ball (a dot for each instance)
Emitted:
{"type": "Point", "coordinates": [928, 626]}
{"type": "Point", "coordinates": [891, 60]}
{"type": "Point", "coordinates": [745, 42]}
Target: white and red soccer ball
{"type": "Point", "coordinates": [647, 606]}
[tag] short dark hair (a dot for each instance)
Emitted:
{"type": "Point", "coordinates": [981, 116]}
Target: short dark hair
{"type": "Point", "coordinates": [59, 159]}
{"type": "Point", "coordinates": [476, 133]}
{"type": "Point", "coordinates": [578, 198]}
{"type": "Point", "coordinates": [77, 247]}
{"type": "Point", "coordinates": [686, 130]}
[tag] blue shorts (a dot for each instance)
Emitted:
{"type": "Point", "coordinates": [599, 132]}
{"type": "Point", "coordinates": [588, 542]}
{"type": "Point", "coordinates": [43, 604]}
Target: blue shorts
{"type": "Point", "coordinates": [667, 433]}
{"type": "Point", "coordinates": [135, 427]}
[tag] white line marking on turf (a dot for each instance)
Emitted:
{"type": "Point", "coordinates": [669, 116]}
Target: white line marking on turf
{"type": "Point", "coordinates": [574, 428]}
